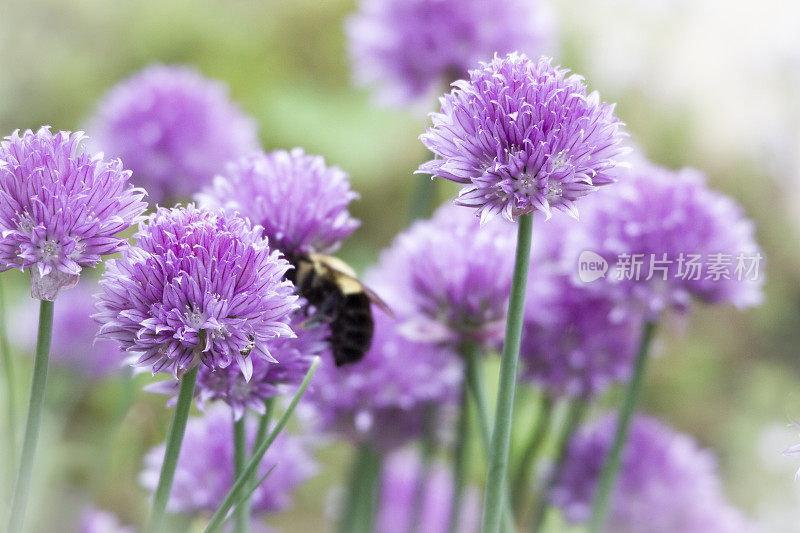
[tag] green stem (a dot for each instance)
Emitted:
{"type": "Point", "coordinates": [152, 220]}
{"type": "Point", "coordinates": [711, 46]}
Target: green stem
{"type": "Point", "coordinates": [471, 354]}
{"type": "Point", "coordinates": [361, 495]}
{"type": "Point", "coordinates": [348, 518]}
{"type": "Point", "coordinates": [174, 441]}
{"type": "Point", "coordinates": [477, 386]}
{"type": "Point", "coordinates": [460, 458]}
{"type": "Point", "coordinates": [575, 414]}
{"type": "Point", "coordinates": [243, 482]}
{"type": "Point", "coordinates": [532, 448]}
{"type": "Point", "coordinates": [8, 370]}
{"type": "Point", "coordinates": [368, 500]}
{"type": "Point", "coordinates": [501, 436]}
{"type": "Point", "coordinates": [611, 465]}
{"type": "Point", "coordinates": [263, 424]}
{"type": "Point", "coordinates": [428, 452]}
{"type": "Point", "coordinates": [35, 407]}
{"type": "Point", "coordinates": [261, 435]}
{"type": "Point", "coordinates": [241, 518]}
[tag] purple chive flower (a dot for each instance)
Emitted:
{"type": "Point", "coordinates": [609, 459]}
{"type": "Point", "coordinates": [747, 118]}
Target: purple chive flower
{"type": "Point", "coordinates": [60, 208]}
{"type": "Point", "coordinates": [523, 135]}
{"type": "Point", "coordinates": [204, 474]}
{"type": "Point", "coordinates": [407, 49]}
{"type": "Point", "coordinates": [299, 200]}
{"type": "Point", "coordinates": [575, 342]}
{"type": "Point", "coordinates": [382, 399]}
{"type": "Point", "coordinates": [448, 278]}
{"type": "Point", "coordinates": [97, 521]}
{"type": "Point", "coordinates": [174, 127]}
{"type": "Point", "coordinates": [199, 287]}
{"type": "Point", "coordinates": [294, 356]}
{"type": "Point", "coordinates": [668, 238]}
{"type": "Point", "coordinates": [74, 347]}
{"type": "Point", "coordinates": [665, 484]}
{"type": "Point", "coordinates": [401, 477]}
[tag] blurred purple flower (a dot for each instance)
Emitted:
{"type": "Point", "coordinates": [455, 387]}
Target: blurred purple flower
{"type": "Point", "coordinates": [199, 287]}
{"type": "Point", "coordinates": [522, 135]}
{"type": "Point", "coordinates": [204, 474]}
{"type": "Point", "coordinates": [408, 49]}
{"type": "Point", "coordinates": [382, 400]}
{"type": "Point", "coordinates": [60, 208]}
{"type": "Point", "coordinates": [299, 200]}
{"type": "Point", "coordinates": [400, 480]}
{"type": "Point", "coordinates": [74, 346]}
{"type": "Point", "coordinates": [448, 278]}
{"type": "Point", "coordinates": [174, 127]}
{"type": "Point", "coordinates": [665, 484]}
{"type": "Point", "coordinates": [575, 342]}
{"type": "Point", "coordinates": [794, 451]}
{"type": "Point", "coordinates": [294, 356]}
{"type": "Point", "coordinates": [97, 521]}
{"type": "Point", "coordinates": [675, 228]}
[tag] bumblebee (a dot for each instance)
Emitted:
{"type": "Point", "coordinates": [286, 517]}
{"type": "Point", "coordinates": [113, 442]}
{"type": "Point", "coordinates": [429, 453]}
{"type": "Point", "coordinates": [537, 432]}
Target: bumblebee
{"type": "Point", "coordinates": [338, 299]}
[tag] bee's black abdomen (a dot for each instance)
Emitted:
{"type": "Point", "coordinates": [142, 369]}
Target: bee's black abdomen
{"type": "Point", "coordinates": [338, 299]}
{"type": "Point", "coordinates": [351, 332]}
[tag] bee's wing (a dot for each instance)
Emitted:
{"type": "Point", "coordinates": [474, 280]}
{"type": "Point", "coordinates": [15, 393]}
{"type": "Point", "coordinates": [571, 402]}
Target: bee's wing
{"type": "Point", "coordinates": [377, 300]}
{"type": "Point", "coordinates": [372, 295]}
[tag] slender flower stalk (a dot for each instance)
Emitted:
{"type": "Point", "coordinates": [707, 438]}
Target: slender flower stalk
{"type": "Point", "coordinates": [241, 518]}
{"type": "Point", "coordinates": [428, 445]}
{"type": "Point", "coordinates": [243, 483]}
{"type": "Point", "coordinates": [261, 435]}
{"type": "Point", "coordinates": [33, 423]}
{"type": "Point", "coordinates": [174, 440]}
{"type": "Point", "coordinates": [575, 413]}
{"type": "Point", "coordinates": [532, 448]}
{"type": "Point", "coordinates": [348, 518]}
{"type": "Point", "coordinates": [263, 425]}
{"type": "Point", "coordinates": [460, 458]}
{"type": "Point", "coordinates": [368, 500]}
{"type": "Point", "coordinates": [475, 382]}
{"type": "Point", "coordinates": [8, 371]}
{"type": "Point", "coordinates": [501, 436]}
{"type": "Point", "coordinates": [359, 512]}
{"type": "Point", "coordinates": [611, 465]}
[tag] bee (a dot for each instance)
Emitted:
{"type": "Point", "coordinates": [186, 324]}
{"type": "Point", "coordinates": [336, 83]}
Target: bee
{"type": "Point", "coordinates": [330, 286]}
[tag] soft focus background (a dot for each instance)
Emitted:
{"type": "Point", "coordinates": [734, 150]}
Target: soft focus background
{"type": "Point", "coordinates": [706, 83]}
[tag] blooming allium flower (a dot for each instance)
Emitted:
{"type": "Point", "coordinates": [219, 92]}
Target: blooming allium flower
{"type": "Point", "coordinates": [199, 287]}
{"type": "Point", "coordinates": [407, 49]}
{"type": "Point", "coordinates": [688, 240]}
{"type": "Point", "coordinates": [575, 342]}
{"type": "Point", "coordinates": [299, 200]}
{"type": "Point", "coordinates": [174, 127]}
{"type": "Point", "coordinates": [74, 346]}
{"type": "Point", "coordinates": [382, 399]}
{"type": "Point", "coordinates": [448, 278]}
{"type": "Point", "coordinates": [97, 521]}
{"type": "Point", "coordinates": [522, 135]}
{"type": "Point", "coordinates": [60, 208]}
{"type": "Point", "coordinates": [294, 356]}
{"type": "Point", "coordinates": [400, 481]}
{"type": "Point", "coordinates": [204, 474]}
{"type": "Point", "coordinates": [665, 483]}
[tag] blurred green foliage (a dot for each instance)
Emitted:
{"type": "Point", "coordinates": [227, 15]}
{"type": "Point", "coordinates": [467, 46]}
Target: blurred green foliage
{"type": "Point", "coordinates": [724, 376]}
